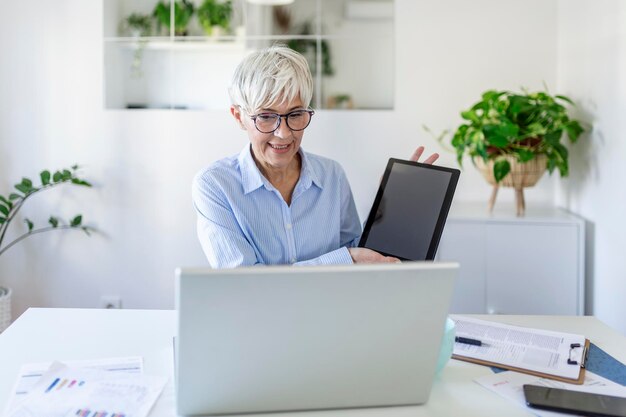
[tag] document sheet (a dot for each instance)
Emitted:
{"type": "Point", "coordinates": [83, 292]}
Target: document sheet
{"type": "Point", "coordinates": [542, 351]}
{"type": "Point", "coordinates": [102, 388]}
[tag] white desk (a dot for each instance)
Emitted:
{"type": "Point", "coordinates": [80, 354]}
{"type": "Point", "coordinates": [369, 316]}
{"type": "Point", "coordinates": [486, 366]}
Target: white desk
{"type": "Point", "coordinates": [66, 334]}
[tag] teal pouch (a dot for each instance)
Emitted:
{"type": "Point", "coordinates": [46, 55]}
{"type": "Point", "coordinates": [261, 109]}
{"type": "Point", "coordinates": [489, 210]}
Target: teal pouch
{"type": "Point", "coordinates": [447, 345]}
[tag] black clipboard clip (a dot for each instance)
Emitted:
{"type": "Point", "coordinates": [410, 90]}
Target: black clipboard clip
{"type": "Point", "coordinates": [584, 355]}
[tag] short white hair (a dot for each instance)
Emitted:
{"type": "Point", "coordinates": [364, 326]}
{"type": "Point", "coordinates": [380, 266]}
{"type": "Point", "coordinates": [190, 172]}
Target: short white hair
{"type": "Point", "coordinates": [271, 76]}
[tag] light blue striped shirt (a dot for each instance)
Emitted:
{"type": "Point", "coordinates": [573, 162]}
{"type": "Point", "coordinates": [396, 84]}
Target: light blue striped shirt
{"type": "Point", "coordinates": [244, 220]}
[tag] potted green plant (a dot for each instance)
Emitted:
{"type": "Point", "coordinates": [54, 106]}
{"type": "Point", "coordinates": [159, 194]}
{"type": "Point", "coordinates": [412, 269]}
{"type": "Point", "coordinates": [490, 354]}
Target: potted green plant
{"type": "Point", "coordinates": [11, 204]}
{"type": "Point", "coordinates": [183, 11]}
{"type": "Point", "coordinates": [214, 14]}
{"type": "Point", "coordinates": [308, 48]}
{"type": "Point", "coordinates": [514, 137]}
{"type": "Point", "coordinates": [137, 25]}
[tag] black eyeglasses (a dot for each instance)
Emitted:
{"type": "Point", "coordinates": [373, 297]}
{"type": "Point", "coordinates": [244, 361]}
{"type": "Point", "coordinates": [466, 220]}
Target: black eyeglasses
{"type": "Point", "coordinates": [296, 120]}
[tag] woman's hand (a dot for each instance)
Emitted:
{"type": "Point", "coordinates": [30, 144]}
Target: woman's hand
{"type": "Point", "coordinates": [368, 256]}
{"type": "Point", "coordinates": [418, 154]}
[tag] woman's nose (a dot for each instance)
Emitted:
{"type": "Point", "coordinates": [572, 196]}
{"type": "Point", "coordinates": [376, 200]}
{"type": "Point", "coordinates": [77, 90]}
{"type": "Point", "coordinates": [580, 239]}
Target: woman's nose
{"type": "Point", "coordinates": [283, 130]}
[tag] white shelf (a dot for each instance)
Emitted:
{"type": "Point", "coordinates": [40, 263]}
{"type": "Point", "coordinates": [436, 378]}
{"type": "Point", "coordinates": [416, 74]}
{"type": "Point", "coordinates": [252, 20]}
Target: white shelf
{"type": "Point", "coordinates": [168, 71]}
{"type": "Point", "coordinates": [181, 45]}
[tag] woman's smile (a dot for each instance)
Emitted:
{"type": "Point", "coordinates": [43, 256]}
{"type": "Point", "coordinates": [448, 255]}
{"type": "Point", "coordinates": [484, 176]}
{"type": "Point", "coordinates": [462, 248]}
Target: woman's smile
{"type": "Point", "coordinates": [280, 148]}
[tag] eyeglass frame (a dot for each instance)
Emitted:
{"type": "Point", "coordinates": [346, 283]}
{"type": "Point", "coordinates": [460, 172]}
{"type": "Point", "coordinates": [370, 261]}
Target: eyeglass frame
{"type": "Point", "coordinates": [281, 117]}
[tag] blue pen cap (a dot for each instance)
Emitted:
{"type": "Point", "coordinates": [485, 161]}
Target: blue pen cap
{"type": "Point", "coordinates": [447, 345]}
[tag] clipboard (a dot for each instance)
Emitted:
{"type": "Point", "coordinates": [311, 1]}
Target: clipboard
{"type": "Point", "coordinates": [578, 381]}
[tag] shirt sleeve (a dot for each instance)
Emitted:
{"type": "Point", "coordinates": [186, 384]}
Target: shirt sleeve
{"type": "Point", "coordinates": [336, 257]}
{"type": "Point", "coordinates": [350, 224]}
{"type": "Point", "coordinates": [220, 235]}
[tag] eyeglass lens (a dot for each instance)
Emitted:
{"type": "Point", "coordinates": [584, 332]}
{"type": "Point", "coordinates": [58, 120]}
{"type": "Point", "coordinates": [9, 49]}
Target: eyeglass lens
{"type": "Point", "coordinates": [269, 122]}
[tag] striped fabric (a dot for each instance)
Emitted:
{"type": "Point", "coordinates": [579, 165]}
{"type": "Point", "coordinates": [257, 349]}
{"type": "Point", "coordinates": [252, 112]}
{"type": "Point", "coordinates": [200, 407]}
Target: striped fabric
{"type": "Point", "coordinates": [243, 220]}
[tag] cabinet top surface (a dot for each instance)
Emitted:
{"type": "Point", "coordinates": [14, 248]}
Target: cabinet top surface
{"type": "Point", "coordinates": [478, 211]}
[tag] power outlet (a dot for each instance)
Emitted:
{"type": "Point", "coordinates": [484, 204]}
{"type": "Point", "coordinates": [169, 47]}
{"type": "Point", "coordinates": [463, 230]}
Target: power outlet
{"type": "Point", "coordinates": [111, 301]}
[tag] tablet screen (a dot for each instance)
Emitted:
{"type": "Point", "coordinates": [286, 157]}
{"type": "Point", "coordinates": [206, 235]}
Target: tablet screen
{"type": "Point", "coordinates": [410, 210]}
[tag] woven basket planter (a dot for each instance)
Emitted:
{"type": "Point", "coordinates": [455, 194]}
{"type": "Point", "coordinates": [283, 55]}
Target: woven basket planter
{"type": "Point", "coordinates": [522, 175]}
{"type": "Point", "coordinates": [5, 308]}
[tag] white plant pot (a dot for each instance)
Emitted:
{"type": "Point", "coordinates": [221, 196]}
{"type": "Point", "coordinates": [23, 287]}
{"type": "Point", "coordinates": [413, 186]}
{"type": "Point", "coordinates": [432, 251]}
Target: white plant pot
{"type": "Point", "coordinates": [5, 308]}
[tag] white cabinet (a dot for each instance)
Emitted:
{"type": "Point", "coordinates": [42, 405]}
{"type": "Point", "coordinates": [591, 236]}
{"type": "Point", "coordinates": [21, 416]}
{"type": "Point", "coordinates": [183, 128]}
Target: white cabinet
{"type": "Point", "coordinates": [516, 265]}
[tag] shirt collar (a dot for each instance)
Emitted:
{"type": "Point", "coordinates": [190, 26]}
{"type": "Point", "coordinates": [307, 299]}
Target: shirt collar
{"type": "Point", "coordinates": [252, 179]}
{"type": "Point", "coordinates": [308, 175]}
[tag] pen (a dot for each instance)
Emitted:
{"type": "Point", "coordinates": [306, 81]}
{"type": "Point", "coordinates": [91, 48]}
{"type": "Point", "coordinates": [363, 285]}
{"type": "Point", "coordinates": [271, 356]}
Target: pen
{"type": "Point", "coordinates": [469, 341]}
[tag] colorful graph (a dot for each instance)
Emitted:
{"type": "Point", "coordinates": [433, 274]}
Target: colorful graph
{"type": "Point", "coordinates": [64, 383]}
{"type": "Point", "coordinates": [89, 413]}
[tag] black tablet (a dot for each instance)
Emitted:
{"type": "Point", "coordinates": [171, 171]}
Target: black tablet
{"type": "Point", "coordinates": [410, 210]}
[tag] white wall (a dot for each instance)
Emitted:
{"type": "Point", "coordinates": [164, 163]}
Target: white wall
{"type": "Point", "coordinates": [592, 70]}
{"type": "Point", "coordinates": [142, 162]}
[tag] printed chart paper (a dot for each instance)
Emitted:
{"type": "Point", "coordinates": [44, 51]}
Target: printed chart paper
{"type": "Point", "coordinates": [64, 391]}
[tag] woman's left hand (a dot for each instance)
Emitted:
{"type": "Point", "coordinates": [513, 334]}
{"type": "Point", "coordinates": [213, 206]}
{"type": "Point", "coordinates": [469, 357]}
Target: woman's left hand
{"type": "Point", "coordinates": [418, 154]}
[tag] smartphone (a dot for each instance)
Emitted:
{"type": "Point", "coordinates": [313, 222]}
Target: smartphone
{"type": "Point", "coordinates": [582, 403]}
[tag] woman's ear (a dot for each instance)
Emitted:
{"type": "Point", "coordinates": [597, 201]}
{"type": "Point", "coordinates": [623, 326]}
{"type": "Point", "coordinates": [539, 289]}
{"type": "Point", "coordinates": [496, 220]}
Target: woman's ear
{"type": "Point", "coordinates": [238, 115]}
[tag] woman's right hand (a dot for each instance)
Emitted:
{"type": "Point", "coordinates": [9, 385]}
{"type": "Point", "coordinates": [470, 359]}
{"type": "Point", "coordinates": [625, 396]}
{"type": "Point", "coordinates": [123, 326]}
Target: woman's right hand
{"type": "Point", "coordinates": [368, 256]}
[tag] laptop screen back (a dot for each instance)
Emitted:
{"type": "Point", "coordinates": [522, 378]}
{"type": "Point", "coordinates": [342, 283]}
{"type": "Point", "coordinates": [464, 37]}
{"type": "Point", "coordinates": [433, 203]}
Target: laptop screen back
{"type": "Point", "coordinates": [301, 338]}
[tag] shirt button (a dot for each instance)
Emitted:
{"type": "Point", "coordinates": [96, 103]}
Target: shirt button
{"type": "Point", "coordinates": [288, 226]}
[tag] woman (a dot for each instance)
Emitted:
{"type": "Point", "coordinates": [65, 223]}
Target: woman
{"type": "Point", "coordinates": [274, 203]}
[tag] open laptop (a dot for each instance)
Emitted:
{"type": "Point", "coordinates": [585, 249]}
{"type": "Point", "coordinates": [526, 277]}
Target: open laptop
{"type": "Point", "coordinates": [282, 338]}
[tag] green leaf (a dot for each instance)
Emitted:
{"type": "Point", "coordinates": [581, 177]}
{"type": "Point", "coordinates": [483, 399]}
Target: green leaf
{"type": "Point", "coordinates": [470, 115]}
{"type": "Point", "coordinates": [535, 129]}
{"type": "Point", "coordinates": [494, 136]}
{"type": "Point", "coordinates": [554, 137]}
{"type": "Point", "coordinates": [482, 106]}
{"type": "Point", "coordinates": [21, 187]}
{"type": "Point", "coordinates": [561, 150]}
{"type": "Point", "coordinates": [491, 95]}
{"type": "Point", "coordinates": [500, 169]}
{"type": "Point", "coordinates": [564, 98]}
{"type": "Point", "coordinates": [45, 177]}
{"type": "Point", "coordinates": [525, 155]}
{"type": "Point", "coordinates": [4, 209]}
{"type": "Point", "coordinates": [7, 202]}
{"type": "Point", "coordinates": [551, 161]}
{"type": "Point", "coordinates": [2, 220]}
{"type": "Point", "coordinates": [481, 150]}
{"type": "Point", "coordinates": [508, 129]}
{"type": "Point", "coordinates": [14, 196]}
{"type": "Point", "coordinates": [76, 221]}
{"type": "Point", "coordinates": [29, 224]}
{"type": "Point", "coordinates": [57, 176]}
{"type": "Point", "coordinates": [66, 175]}
{"type": "Point", "coordinates": [519, 104]}
{"type": "Point", "coordinates": [80, 182]}
{"type": "Point", "coordinates": [574, 130]}
{"type": "Point", "coordinates": [26, 186]}
{"type": "Point", "coordinates": [53, 221]}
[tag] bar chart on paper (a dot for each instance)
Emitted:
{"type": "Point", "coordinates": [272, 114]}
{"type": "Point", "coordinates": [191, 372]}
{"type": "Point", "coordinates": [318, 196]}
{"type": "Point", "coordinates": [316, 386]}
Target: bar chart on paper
{"type": "Point", "coordinates": [59, 384]}
{"type": "Point", "coordinates": [89, 413]}
{"type": "Point", "coordinates": [68, 391]}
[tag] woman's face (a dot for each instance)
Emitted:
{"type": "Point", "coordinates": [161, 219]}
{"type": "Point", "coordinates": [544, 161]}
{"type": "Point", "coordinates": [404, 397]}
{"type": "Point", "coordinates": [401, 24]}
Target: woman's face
{"type": "Point", "coordinates": [276, 150]}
